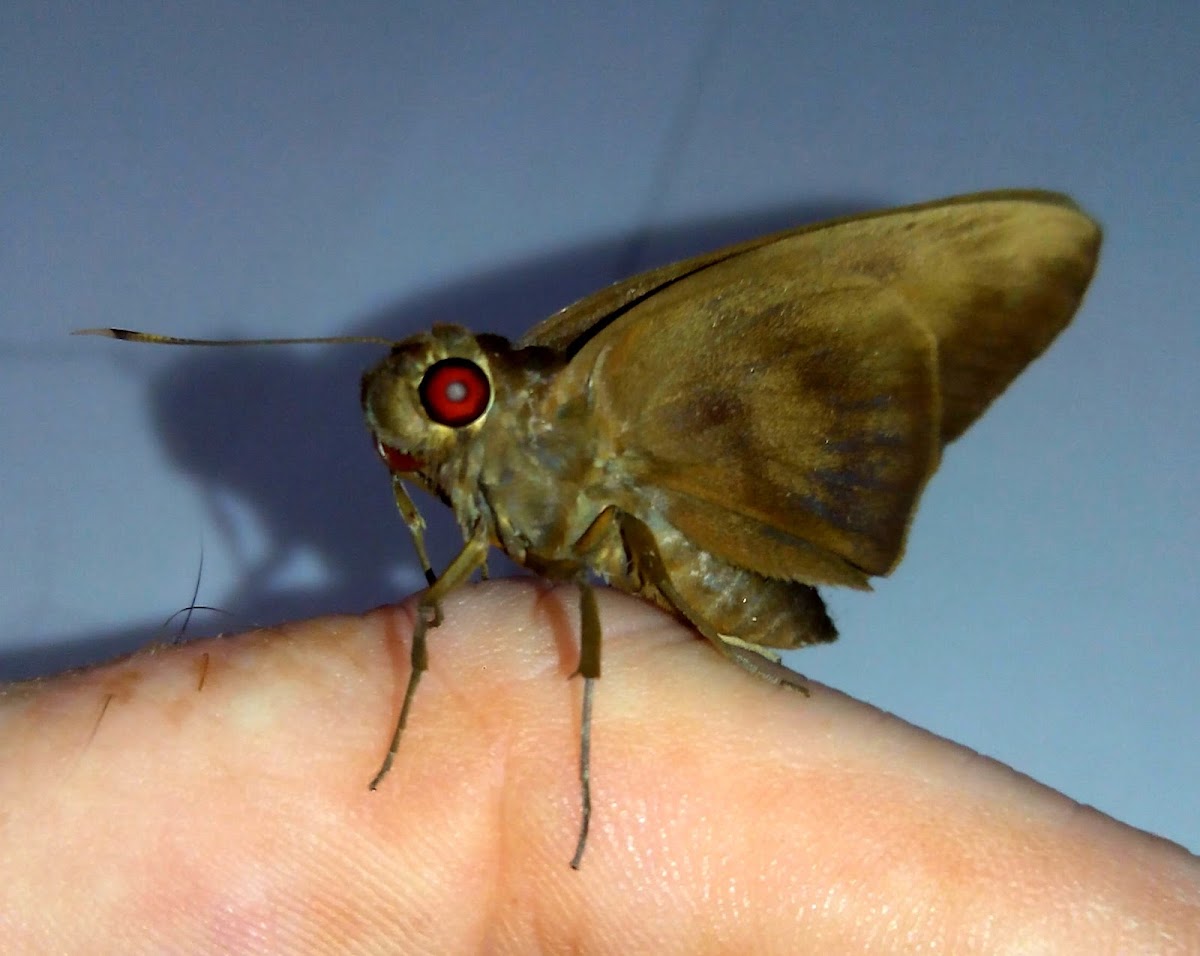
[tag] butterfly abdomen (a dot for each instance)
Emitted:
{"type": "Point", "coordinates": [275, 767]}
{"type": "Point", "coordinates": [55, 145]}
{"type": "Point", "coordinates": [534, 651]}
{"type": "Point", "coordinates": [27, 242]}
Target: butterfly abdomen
{"type": "Point", "coordinates": [737, 602]}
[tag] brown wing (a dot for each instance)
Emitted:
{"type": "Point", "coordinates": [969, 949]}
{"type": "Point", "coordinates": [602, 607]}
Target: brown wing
{"type": "Point", "coordinates": [994, 275]}
{"type": "Point", "coordinates": [787, 400]}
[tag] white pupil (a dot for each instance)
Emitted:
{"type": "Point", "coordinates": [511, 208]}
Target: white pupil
{"type": "Point", "coordinates": [456, 392]}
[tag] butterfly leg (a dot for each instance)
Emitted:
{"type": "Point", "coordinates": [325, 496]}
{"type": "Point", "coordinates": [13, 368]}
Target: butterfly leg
{"type": "Point", "coordinates": [589, 670]}
{"type": "Point", "coordinates": [597, 536]}
{"type": "Point", "coordinates": [415, 522]}
{"type": "Point", "coordinates": [429, 613]}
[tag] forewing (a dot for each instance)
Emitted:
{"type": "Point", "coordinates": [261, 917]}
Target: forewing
{"type": "Point", "coordinates": [788, 425]}
{"type": "Point", "coordinates": [786, 400]}
{"type": "Point", "coordinates": [995, 276]}
{"type": "Point", "coordinates": [994, 279]}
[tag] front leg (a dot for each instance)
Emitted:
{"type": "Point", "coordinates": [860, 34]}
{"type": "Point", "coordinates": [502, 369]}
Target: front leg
{"type": "Point", "coordinates": [415, 522]}
{"type": "Point", "coordinates": [429, 613]}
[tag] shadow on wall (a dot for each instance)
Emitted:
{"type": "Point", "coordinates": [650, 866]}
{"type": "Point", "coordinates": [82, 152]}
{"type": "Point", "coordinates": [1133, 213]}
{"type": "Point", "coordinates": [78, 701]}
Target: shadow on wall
{"type": "Point", "coordinates": [278, 433]}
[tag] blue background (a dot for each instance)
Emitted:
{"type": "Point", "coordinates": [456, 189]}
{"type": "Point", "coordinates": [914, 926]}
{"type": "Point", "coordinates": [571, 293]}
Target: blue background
{"type": "Point", "coordinates": [269, 169]}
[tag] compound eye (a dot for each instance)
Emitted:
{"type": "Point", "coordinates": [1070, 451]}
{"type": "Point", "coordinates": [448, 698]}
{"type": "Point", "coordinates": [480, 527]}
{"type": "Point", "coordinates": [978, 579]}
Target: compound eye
{"type": "Point", "coordinates": [455, 392]}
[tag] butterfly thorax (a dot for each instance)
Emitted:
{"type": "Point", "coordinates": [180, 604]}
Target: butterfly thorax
{"type": "Point", "coordinates": [542, 473]}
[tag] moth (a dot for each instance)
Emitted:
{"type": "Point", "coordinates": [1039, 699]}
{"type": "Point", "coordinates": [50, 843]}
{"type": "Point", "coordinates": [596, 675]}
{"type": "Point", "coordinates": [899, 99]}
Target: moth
{"type": "Point", "coordinates": [725, 434]}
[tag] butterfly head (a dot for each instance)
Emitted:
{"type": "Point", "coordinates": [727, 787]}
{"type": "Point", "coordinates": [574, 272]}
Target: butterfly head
{"type": "Point", "coordinates": [424, 402]}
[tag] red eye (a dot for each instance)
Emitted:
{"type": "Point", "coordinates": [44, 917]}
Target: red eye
{"type": "Point", "coordinates": [455, 392]}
